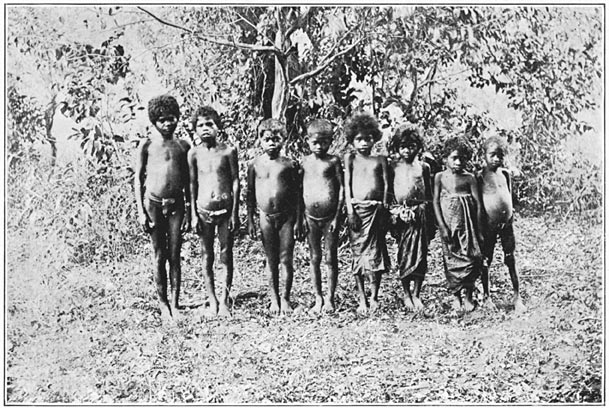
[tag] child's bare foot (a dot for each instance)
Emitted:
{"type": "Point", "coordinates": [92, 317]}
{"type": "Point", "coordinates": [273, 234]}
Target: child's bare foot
{"type": "Point", "coordinates": [469, 304]}
{"type": "Point", "coordinates": [519, 307]}
{"type": "Point", "coordinates": [274, 309]}
{"type": "Point", "coordinates": [224, 310]}
{"type": "Point", "coordinates": [418, 305]}
{"type": "Point", "coordinates": [175, 313]}
{"type": "Point", "coordinates": [374, 306]}
{"type": "Point", "coordinates": [457, 304]}
{"type": "Point", "coordinates": [408, 305]}
{"type": "Point", "coordinates": [212, 310]}
{"type": "Point", "coordinates": [487, 303]}
{"type": "Point", "coordinates": [319, 303]}
{"type": "Point", "coordinates": [166, 315]}
{"type": "Point", "coordinates": [362, 309]}
{"type": "Point", "coordinates": [329, 305]}
{"type": "Point", "coordinates": [285, 307]}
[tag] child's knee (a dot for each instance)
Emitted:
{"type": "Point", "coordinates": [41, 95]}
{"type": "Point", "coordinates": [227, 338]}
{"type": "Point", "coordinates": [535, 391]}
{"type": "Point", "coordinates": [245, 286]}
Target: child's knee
{"type": "Point", "coordinates": [316, 258]}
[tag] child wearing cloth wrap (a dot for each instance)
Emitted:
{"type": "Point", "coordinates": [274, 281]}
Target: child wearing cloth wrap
{"type": "Point", "coordinates": [458, 209]}
{"type": "Point", "coordinates": [412, 221]}
{"type": "Point", "coordinates": [162, 192]}
{"type": "Point", "coordinates": [366, 196]}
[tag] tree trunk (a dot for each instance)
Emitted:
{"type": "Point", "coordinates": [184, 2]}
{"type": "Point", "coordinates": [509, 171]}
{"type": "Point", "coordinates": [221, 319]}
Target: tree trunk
{"type": "Point", "coordinates": [281, 86]}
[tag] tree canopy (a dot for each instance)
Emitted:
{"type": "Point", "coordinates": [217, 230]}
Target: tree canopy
{"type": "Point", "coordinates": [99, 65]}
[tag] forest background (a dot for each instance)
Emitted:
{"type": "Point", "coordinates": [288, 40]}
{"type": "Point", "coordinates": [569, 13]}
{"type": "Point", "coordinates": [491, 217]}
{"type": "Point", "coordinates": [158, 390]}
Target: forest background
{"type": "Point", "coordinates": [80, 320]}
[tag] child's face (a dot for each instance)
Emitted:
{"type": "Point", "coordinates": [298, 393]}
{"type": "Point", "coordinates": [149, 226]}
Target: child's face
{"type": "Point", "coordinates": [319, 143]}
{"type": "Point", "coordinates": [206, 129]}
{"type": "Point", "coordinates": [456, 162]}
{"type": "Point", "coordinates": [494, 156]}
{"type": "Point", "coordinates": [363, 143]}
{"type": "Point", "coordinates": [166, 124]}
{"type": "Point", "coordinates": [271, 142]}
{"type": "Point", "coordinates": [408, 150]}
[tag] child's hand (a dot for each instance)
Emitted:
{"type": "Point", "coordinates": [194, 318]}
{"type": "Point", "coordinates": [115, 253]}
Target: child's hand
{"type": "Point", "coordinates": [145, 222]}
{"type": "Point", "coordinates": [194, 225]}
{"type": "Point", "coordinates": [299, 230]}
{"type": "Point", "coordinates": [186, 222]}
{"type": "Point", "coordinates": [251, 229]}
{"type": "Point", "coordinates": [334, 224]}
{"type": "Point", "coordinates": [354, 221]}
{"type": "Point", "coordinates": [233, 224]}
{"type": "Point", "coordinates": [445, 235]}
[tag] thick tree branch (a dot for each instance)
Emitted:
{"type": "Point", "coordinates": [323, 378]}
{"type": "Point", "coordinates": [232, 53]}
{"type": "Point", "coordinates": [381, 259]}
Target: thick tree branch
{"type": "Point", "coordinates": [324, 65]}
{"type": "Point", "coordinates": [250, 47]}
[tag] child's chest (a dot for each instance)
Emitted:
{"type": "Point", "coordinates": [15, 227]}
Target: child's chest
{"type": "Point", "coordinates": [166, 152]}
{"type": "Point", "coordinates": [274, 169]}
{"type": "Point", "coordinates": [211, 161]}
{"type": "Point", "coordinates": [493, 183]}
{"type": "Point", "coordinates": [366, 166]}
{"type": "Point", "coordinates": [319, 170]}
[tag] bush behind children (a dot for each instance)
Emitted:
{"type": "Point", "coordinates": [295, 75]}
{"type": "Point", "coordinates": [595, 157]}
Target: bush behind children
{"type": "Point", "coordinates": [178, 188]}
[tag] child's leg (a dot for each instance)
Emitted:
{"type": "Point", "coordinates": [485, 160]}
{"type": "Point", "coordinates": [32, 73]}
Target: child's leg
{"type": "Point", "coordinates": [361, 292]}
{"type": "Point", "coordinates": [175, 269]}
{"type": "Point", "coordinates": [489, 248]}
{"type": "Point", "coordinates": [159, 246]}
{"type": "Point", "coordinates": [207, 254]}
{"type": "Point", "coordinates": [416, 298]}
{"type": "Point", "coordinates": [270, 241]}
{"type": "Point", "coordinates": [408, 303]}
{"type": "Point", "coordinates": [314, 238]}
{"type": "Point", "coordinates": [374, 289]}
{"type": "Point", "coordinates": [469, 304]}
{"type": "Point", "coordinates": [331, 238]}
{"type": "Point", "coordinates": [226, 261]}
{"type": "Point", "coordinates": [286, 257]}
{"type": "Point", "coordinates": [508, 242]}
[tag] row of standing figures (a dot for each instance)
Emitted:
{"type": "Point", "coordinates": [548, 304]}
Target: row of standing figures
{"type": "Point", "coordinates": [179, 187]}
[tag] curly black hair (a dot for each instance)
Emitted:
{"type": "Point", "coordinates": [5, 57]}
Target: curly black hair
{"type": "Point", "coordinates": [321, 126]}
{"type": "Point", "coordinates": [362, 123]}
{"type": "Point", "coordinates": [495, 140]}
{"type": "Point", "coordinates": [403, 135]}
{"type": "Point", "coordinates": [460, 144]}
{"type": "Point", "coordinates": [164, 104]}
{"type": "Point", "coordinates": [272, 125]}
{"type": "Point", "coordinates": [206, 112]}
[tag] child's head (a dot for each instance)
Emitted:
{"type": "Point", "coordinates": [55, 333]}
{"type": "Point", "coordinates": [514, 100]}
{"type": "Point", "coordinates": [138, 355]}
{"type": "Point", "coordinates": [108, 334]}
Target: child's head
{"type": "Point", "coordinates": [163, 105]}
{"type": "Point", "coordinates": [320, 134]}
{"type": "Point", "coordinates": [406, 141]}
{"type": "Point", "coordinates": [206, 123]}
{"type": "Point", "coordinates": [362, 123]}
{"type": "Point", "coordinates": [495, 149]}
{"type": "Point", "coordinates": [456, 153]}
{"type": "Point", "coordinates": [271, 133]}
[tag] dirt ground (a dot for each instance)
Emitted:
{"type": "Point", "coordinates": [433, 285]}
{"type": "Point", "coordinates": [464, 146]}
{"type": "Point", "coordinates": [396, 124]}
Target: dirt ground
{"type": "Point", "coordinates": [92, 333]}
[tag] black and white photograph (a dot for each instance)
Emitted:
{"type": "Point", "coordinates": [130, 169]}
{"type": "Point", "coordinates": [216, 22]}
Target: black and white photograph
{"type": "Point", "coordinates": [311, 204]}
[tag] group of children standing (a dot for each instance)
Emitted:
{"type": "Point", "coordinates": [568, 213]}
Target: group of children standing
{"type": "Point", "coordinates": [178, 187]}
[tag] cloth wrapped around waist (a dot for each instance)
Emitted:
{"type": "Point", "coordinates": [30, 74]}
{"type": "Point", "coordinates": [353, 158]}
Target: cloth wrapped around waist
{"type": "Point", "coordinates": [368, 243]}
{"type": "Point", "coordinates": [168, 205]}
{"type": "Point", "coordinates": [212, 216]}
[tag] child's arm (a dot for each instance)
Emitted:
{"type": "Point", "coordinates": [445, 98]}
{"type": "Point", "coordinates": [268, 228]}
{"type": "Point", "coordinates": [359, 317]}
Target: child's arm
{"type": "Point", "coordinates": [386, 184]}
{"type": "Point", "coordinates": [479, 209]}
{"type": "Point", "coordinates": [140, 178]}
{"type": "Point", "coordinates": [427, 181]}
{"type": "Point", "coordinates": [194, 189]}
{"type": "Point", "coordinates": [233, 224]}
{"type": "Point", "coordinates": [251, 200]}
{"type": "Point", "coordinates": [508, 178]}
{"type": "Point", "coordinates": [438, 208]}
{"type": "Point", "coordinates": [354, 221]}
{"type": "Point", "coordinates": [187, 185]}
{"type": "Point", "coordinates": [341, 192]}
{"type": "Point", "coordinates": [299, 230]}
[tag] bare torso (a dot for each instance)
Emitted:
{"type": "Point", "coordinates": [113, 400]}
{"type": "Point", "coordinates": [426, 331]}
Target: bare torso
{"type": "Point", "coordinates": [214, 177]}
{"type": "Point", "coordinates": [166, 167]}
{"type": "Point", "coordinates": [496, 196]}
{"type": "Point", "coordinates": [367, 182]}
{"type": "Point", "coordinates": [408, 181]}
{"type": "Point", "coordinates": [321, 185]}
{"type": "Point", "coordinates": [276, 184]}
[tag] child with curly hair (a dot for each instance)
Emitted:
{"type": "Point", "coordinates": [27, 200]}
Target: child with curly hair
{"type": "Point", "coordinates": [367, 198]}
{"type": "Point", "coordinates": [458, 209]}
{"type": "Point", "coordinates": [162, 195]}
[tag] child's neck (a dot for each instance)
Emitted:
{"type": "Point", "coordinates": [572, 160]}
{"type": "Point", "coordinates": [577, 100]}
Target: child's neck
{"type": "Point", "coordinates": [363, 154]}
{"type": "Point", "coordinates": [208, 143]}
{"type": "Point", "coordinates": [320, 156]}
